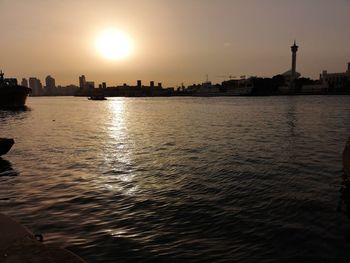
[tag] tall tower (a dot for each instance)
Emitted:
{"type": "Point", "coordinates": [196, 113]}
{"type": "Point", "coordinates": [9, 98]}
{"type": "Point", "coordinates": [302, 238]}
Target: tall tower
{"type": "Point", "coordinates": [294, 49]}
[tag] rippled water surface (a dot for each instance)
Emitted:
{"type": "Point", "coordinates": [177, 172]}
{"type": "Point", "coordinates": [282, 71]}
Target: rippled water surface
{"type": "Point", "coordinates": [181, 179]}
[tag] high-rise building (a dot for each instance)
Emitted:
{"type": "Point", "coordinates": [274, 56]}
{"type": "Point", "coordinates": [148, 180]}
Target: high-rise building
{"type": "Point", "coordinates": [82, 81]}
{"type": "Point", "coordinates": [36, 86]}
{"type": "Point", "coordinates": [24, 82]}
{"type": "Point", "coordinates": [50, 82]}
{"type": "Point", "coordinates": [50, 86]}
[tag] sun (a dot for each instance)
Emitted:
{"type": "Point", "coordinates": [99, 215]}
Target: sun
{"type": "Point", "coordinates": [114, 45]}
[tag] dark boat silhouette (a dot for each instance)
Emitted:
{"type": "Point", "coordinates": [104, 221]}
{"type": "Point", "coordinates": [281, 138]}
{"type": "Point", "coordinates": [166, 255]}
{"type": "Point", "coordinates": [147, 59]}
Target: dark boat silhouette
{"type": "Point", "coordinates": [97, 98]}
{"type": "Point", "coordinates": [12, 95]}
{"type": "Point", "coordinates": [97, 94]}
{"type": "Point", "coordinates": [5, 145]}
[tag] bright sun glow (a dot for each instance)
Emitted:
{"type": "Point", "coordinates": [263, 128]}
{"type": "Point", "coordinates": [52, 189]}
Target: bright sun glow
{"type": "Point", "coordinates": [113, 45]}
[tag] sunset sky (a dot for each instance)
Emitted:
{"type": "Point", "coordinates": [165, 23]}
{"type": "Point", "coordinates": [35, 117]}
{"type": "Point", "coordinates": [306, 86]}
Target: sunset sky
{"type": "Point", "coordinates": [172, 41]}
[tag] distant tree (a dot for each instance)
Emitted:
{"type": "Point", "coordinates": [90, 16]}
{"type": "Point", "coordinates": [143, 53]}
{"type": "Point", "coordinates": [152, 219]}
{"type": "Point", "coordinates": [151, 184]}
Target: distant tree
{"type": "Point", "coordinates": [267, 86]}
{"type": "Point", "coordinates": [300, 82]}
{"type": "Point", "coordinates": [347, 84]}
{"type": "Point", "coordinates": [279, 80]}
{"type": "Point", "coordinates": [305, 81]}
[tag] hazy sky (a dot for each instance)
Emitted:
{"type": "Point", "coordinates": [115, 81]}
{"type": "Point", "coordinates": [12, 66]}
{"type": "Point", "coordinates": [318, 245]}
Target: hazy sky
{"type": "Point", "coordinates": [174, 41]}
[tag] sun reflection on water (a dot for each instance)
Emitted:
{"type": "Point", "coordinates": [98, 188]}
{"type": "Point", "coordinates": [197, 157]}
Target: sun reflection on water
{"type": "Point", "coordinates": [118, 167]}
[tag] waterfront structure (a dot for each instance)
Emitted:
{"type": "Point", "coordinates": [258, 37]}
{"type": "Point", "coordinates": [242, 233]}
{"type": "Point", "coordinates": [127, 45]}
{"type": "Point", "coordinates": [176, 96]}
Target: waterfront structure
{"type": "Point", "coordinates": [336, 81]}
{"type": "Point", "coordinates": [50, 86]}
{"type": "Point", "coordinates": [103, 85]}
{"type": "Point", "coordinates": [36, 86]}
{"type": "Point", "coordinates": [204, 89]}
{"type": "Point", "coordinates": [291, 75]}
{"type": "Point", "coordinates": [137, 90]}
{"type": "Point", "coordinates": [82, 81]}
{"type": "Point", "coordinates": [50, 82]}
{"type": "Point", "coordinates": [90, 85]}
{"type": "Point", "coordinates": [85, 87]}
{"type": "Point", "coordinates": [24, 82]}
{"type": "Point", "coordinates": [237, 87]}
{"type": "Point", "coordinates": [84, 84]}
{"type": "Point", "coordinates": [294, 50]}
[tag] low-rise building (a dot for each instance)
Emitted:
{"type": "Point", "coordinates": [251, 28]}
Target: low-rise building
{"type": "Point", "coordinates": [336, 82]}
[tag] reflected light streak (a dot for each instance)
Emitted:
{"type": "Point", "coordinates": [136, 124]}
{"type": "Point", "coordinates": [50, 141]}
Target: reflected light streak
{"type": "Point", "coordinates": [118, 164]}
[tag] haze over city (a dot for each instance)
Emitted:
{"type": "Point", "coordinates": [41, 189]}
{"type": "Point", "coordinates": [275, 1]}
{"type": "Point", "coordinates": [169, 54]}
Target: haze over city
{"type": "Point", "coordinates": [174, 131]}
{"type": "Point", "coordinates": [172, 41]}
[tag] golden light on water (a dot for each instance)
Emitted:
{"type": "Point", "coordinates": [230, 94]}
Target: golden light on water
{"type": "Point", "coordinates": [114, 45]}
{"type": "Point", "coordinates": [118, 154]}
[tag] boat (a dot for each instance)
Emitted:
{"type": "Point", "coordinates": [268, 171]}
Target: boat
{"type": "Point", "coordinates": [12, 95]}
{"type": "Point", "coordinates": [6, 145]}
{"type": "Point", "coordinates": [97, 98]}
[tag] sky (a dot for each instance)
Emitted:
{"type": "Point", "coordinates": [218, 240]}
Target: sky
{"type": "Point", "coordinates": [174, 42]}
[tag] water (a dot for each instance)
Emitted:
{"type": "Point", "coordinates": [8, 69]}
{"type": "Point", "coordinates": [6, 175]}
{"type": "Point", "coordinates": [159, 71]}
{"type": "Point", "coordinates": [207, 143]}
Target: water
{"type": "Point", "coordinates": [181, 179]}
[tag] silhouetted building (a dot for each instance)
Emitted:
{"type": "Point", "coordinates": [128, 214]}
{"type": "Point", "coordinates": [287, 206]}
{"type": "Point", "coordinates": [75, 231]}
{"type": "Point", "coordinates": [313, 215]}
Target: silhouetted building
{"type": "Point", "coordinates": [85, 87]}
{"type": "Point", "coordinates": [50, 87]}
{"type": "Point", "coordinates": [204, 89]}
{"type": "Point", "coordinates": [69, 90]}
{"type": "Point", "coordinates": [50, 82]}
{"type": "Point", "coordinates": [82, 81]}
{"type": "Point", "coordinates": [90, 85]}
{"type": "Point", "coordinates": [103, 85]}
{"type": "Point", "coordinates": [237, 87]}
{"type": "Point", "coordinates": [336, 81]}
{"type": "Point", "coordinates": [36, 86]}
{"type": "Point", "coordinates": [24, 82]}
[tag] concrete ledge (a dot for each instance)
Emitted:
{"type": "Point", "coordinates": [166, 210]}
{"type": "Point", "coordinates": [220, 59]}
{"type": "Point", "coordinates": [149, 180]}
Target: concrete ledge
{"type": "Point", "coordinates": [18, 245]}
{"type": "Point", "coordinates": [346, 159]}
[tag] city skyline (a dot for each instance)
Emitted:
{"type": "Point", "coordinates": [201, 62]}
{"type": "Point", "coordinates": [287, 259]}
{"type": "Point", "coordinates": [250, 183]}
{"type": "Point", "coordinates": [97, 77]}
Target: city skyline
{"type": "Point", "coordinates": [173, 42]}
